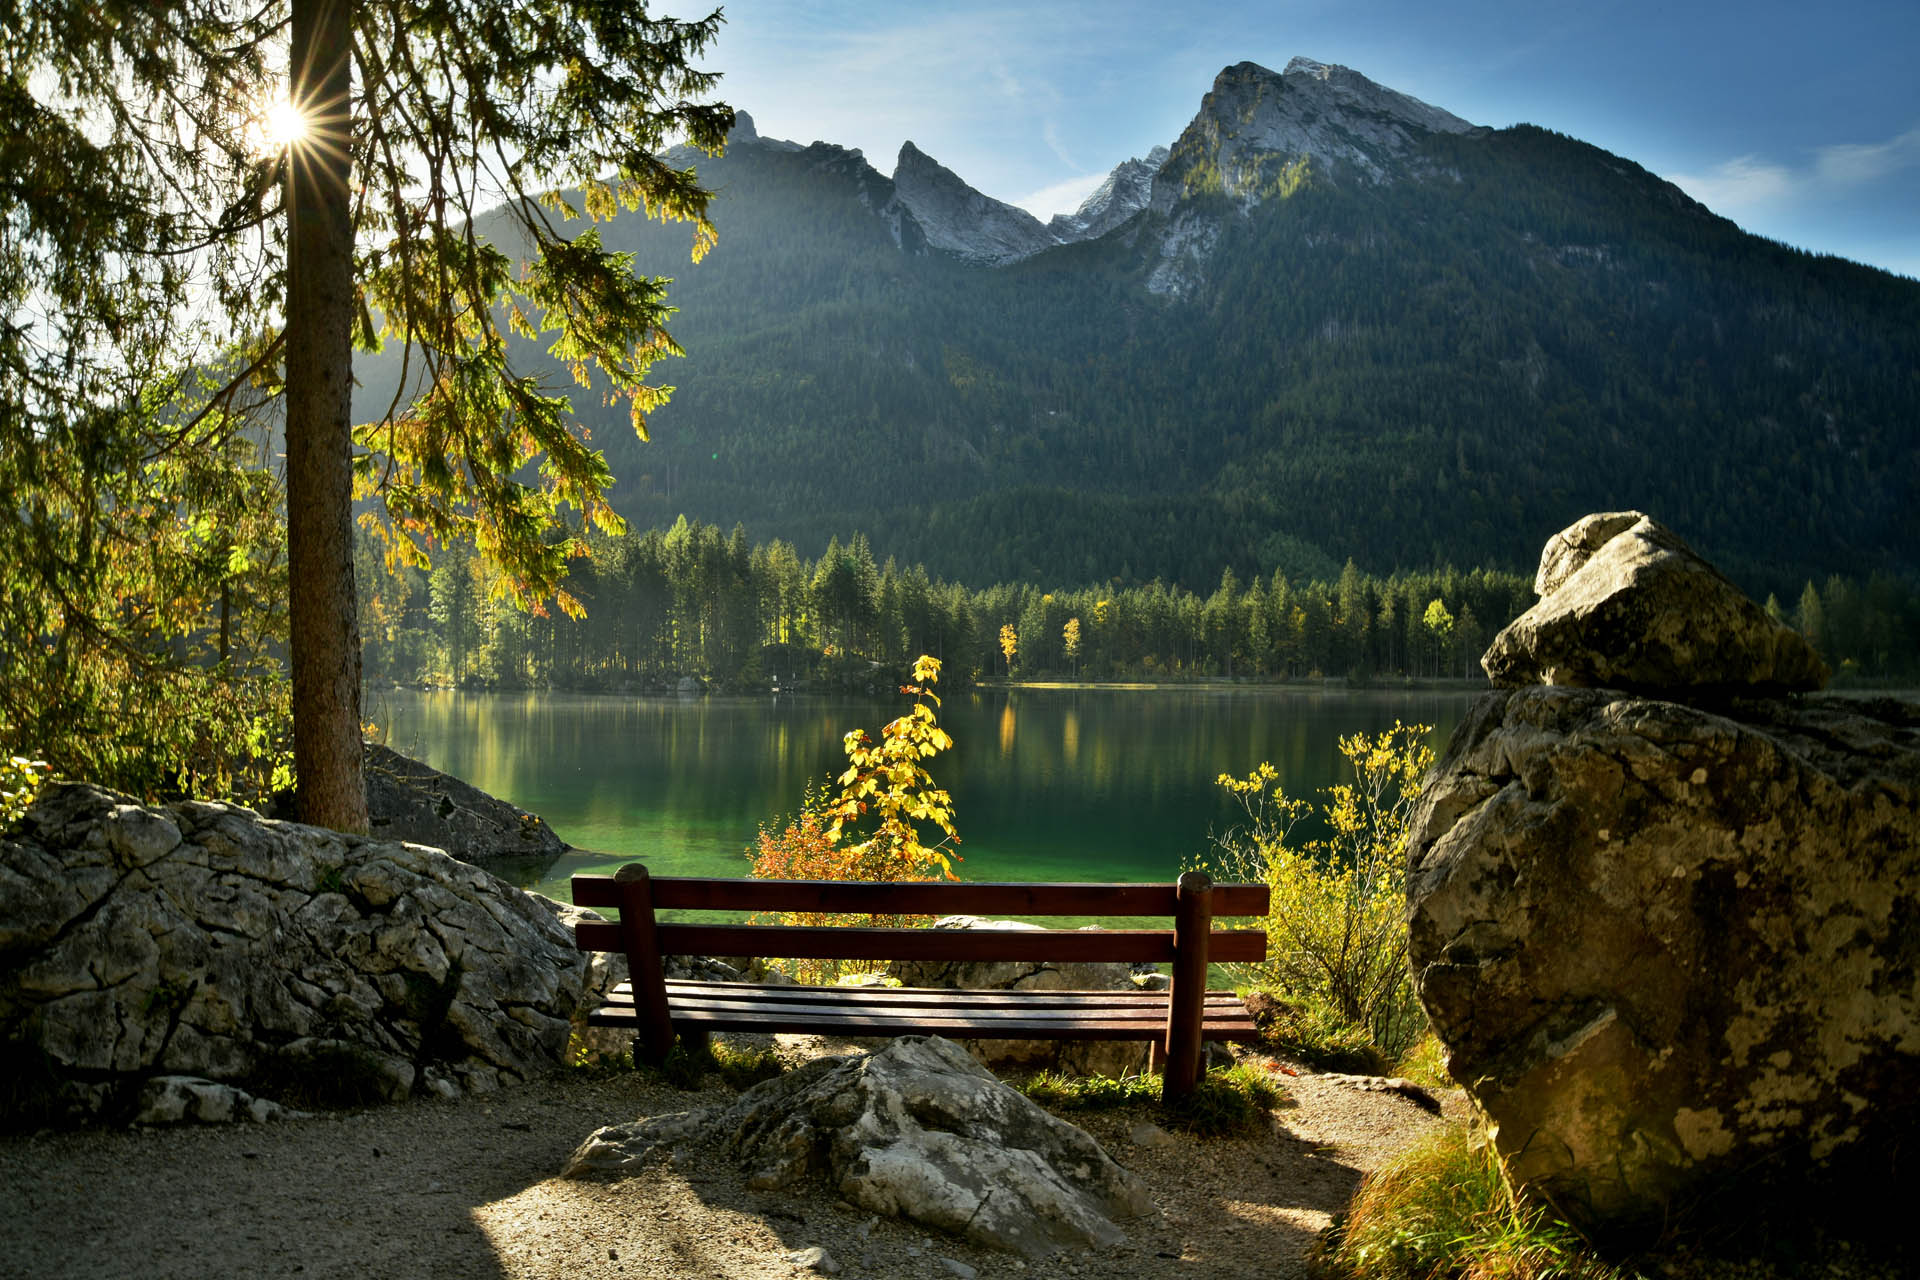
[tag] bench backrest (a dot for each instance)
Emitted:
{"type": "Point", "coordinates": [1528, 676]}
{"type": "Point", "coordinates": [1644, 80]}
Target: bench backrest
{"type": "Point", "coordinates": [829, 942]}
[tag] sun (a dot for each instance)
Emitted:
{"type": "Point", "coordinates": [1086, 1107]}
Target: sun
{"type": "Point", "coordinates": [280, 126]}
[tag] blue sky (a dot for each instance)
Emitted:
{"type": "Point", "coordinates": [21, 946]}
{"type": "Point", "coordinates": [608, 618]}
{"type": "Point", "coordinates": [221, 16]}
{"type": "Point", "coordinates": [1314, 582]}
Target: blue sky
{"type": "Point", "coordinates": [1799, 121]}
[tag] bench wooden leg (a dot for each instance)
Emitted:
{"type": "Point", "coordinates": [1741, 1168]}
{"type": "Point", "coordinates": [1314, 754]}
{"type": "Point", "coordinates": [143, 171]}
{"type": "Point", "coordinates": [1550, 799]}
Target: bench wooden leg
{"type": "Point", "coordinates": [1187, 996]}
{"type": "Point", "coordinates": [644, 970]}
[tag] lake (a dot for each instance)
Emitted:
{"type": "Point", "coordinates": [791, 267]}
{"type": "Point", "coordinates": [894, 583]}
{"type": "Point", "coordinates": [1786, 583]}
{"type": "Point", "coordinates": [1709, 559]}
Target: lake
{"type": "Point", "coordinates": [1047, 783]}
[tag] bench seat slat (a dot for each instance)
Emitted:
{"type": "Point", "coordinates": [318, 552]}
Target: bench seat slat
{"type": "Point", "coordinates": [1094, 1015]}
{"type": "Point", "coordinates": [983, 1002]}
{"type": "Point", "coordinates": [951, 1027]}
{"type": "Point", "coordinates": [959, 1026]}
{"type": "Point", "coordinates": [719, 991]}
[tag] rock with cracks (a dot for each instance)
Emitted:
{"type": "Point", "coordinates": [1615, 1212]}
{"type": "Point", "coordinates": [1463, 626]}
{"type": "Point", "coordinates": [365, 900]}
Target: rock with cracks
{"type": "Point", "coordinates": [1625, 604]}
{"type": "Point", "coordinates": [916, 1129]}
{"type": "Point", "coordinates": [295, 964]}
{"type": "Point", "coordinates": [1671, 950]}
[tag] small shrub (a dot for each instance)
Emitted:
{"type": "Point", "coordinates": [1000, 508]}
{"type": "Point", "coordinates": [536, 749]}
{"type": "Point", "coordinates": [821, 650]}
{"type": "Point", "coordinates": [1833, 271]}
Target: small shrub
{"type": "Point", "coordinates": [1308, 1031]}
{"type": "Point", "coordinates": [20, 780]}
{"type": "Point", "coordinates": [1443, 1211]}
{"type": "Point", "coordinates": [1336, 930]}
{"type": "Point", "coordinates": [870, 830]}
{"type": "Point", "coordinates": [686, 1065]}
{"type": "Point", "coordinates": [1227, 1104]}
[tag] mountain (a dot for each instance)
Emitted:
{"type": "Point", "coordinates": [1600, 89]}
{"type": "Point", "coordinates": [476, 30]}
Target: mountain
{"type": "Point", "coordinates": [959, 220]}
{"type": "Point", "coordinates": [1332, 321]}
{"type": "Point", "coordinates": [1127, 190]}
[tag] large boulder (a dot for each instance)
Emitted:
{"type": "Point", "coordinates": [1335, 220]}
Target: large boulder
{"type": "Point", "coordinates": [1671, 951]}
{"type": "Point", "coordinates": [1625, 604]}
{"type": "Point", "coordinates": [297, 964]}
{"type": "Point", "coordinates": [916, 1129]}
{"type": "Point", "coordinates": [1115, 1058]}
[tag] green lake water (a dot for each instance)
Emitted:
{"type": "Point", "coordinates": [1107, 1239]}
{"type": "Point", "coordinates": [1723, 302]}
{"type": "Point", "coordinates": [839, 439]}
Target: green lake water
{"type": "Point", "coordinates": [1048, 784]}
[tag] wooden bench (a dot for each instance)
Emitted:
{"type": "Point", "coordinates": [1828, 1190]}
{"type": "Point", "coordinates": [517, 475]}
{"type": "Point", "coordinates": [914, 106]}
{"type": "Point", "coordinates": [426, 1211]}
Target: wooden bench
{"type": "Point", "coordinates": [1176, 1021]}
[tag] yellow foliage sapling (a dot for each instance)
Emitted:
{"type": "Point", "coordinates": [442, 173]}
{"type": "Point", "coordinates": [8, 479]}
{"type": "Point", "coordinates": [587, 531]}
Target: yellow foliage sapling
{"type": "Point", "coordinates": [870, 829]}
{"type": "Point", "coordinates": [1336, 923]}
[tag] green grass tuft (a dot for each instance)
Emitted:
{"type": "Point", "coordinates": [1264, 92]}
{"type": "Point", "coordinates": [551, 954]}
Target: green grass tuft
{"type": "Point", "coordinates": [1426, 1063]}
{"type": "Point", "coordinates": [744, 1068]}
{"type": "Point", "coordinates": [1089, 1093]}
{"type": "Point", "coordinates": [1229, 1103]}
{"type": "Point", "coordinates": [1443, 1211]}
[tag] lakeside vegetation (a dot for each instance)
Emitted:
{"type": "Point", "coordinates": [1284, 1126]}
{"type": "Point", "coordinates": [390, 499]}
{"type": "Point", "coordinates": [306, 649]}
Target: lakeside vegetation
{"type": "Point", "coordinates": [694, 601]}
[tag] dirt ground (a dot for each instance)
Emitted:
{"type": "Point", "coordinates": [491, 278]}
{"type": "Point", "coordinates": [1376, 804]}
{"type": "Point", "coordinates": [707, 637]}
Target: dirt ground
{"type": "Point", "coordinates": [467, 1190]}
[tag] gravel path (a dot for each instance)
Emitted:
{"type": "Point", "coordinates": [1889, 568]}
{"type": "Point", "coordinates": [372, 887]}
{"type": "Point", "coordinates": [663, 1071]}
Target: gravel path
{"type": "Point", "coordinates": [466, 1190]}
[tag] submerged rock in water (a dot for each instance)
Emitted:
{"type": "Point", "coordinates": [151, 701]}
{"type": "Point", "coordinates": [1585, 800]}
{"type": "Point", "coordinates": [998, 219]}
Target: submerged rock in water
{"type": "Point", "coordinates": [411, 801]}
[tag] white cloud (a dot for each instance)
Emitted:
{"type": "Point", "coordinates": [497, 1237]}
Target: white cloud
{"type": "Point", "coordinates": [1061, 197]}
{"type": "Point", "coordinates": [1747, 183]}
{"type": "Point", "coordinates": [1051, 135]}
{"type": "Point", "coordinates": [1744, 182]}
{"type": "Point", "coordinates": [1853, 163]}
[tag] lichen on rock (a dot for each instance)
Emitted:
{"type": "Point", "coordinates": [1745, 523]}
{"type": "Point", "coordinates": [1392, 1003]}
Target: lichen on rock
{"type": "Point", "coordinates": [1625, 604]}
{"type": "Point", "coordinates": [1667, 940]}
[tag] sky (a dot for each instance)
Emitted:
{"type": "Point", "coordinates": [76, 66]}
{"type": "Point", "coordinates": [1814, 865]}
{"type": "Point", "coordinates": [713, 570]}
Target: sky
{"type": "Point", "coordinates": [1801, 121]}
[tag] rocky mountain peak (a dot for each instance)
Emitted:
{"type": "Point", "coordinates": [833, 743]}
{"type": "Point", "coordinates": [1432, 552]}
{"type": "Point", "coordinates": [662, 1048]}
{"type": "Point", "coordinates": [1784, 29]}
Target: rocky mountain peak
{"type": "Point", "coordinates": [1259, 134]}
{"type": "Point", "coordinates": [745, 134]}
{"type": "Point", "coordinates": [961, 221]}
{"type": "Point", "coordinates": [1127, 190]}
{"type": "Point", "coordinates": [1354, 92]}
{"type": "Point", "coordinates": [1334, 117]}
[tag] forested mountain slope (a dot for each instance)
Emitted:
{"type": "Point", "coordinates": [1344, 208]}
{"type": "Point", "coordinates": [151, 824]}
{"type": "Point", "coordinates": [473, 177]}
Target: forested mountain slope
{"type": "Point", "coordinates": [1344, 324]}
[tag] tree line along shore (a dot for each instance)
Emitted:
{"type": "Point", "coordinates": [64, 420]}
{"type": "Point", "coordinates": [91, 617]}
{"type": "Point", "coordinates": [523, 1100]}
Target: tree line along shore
{"type": "Point", "coordinates": [694, 601]}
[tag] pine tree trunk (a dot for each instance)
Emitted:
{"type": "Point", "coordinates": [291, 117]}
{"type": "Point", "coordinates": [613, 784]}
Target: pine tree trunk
{"type": "Point", "coordinates": [322, 617]}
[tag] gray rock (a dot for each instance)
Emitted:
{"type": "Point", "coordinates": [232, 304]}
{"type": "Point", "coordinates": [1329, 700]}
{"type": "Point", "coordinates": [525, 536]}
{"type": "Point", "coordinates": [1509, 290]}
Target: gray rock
{"type": "Point", "coordinates": [917, 1130]}
{"type": "Point", "coordinates": [954, 217]}
{"type": "Point", "coordinates": [817, 1259]}
{"type": "Point", "coordinates": [1625, 604]}
{"type": "Point", "coordinates": [1417, 1094]}
{"type": "Point", "coordinates": [1667, 947]}
{"type": "Point", "coordinates": [287, 961]}
{"type": "Point", "coordinates": [1114, 1058]}
{"type": "Point", "coordinates": [411, 801]}
{"type": "Point", "coordinates": [171, 1100]}
{"type": "Point", "coordinates": [1148, 1134]}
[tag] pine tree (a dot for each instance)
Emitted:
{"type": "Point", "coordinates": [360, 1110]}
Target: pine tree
{"type": "Point", "coordinates": [152, 204]}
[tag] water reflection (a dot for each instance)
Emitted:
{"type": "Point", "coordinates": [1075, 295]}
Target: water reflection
{"type": "Point", "coordinates": [1098, 784]}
